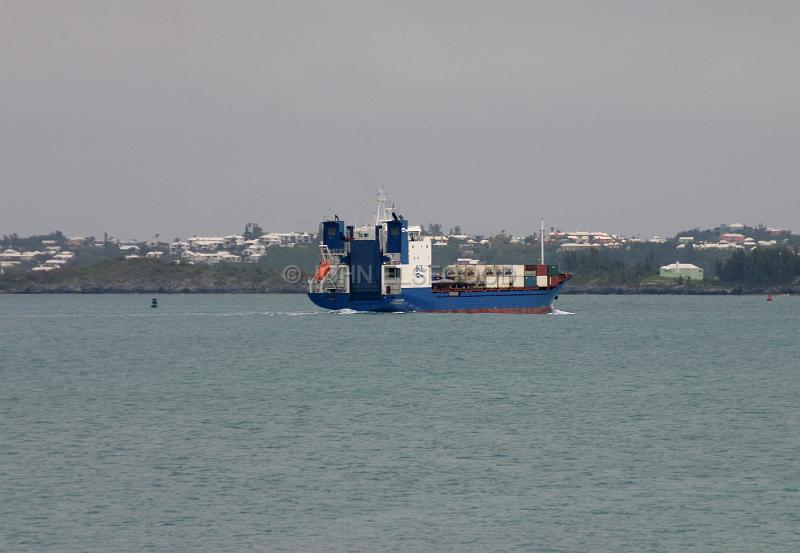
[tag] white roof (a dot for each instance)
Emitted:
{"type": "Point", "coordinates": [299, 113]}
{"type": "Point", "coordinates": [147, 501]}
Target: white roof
{"type": "Point", "coordinates": [680, 266]}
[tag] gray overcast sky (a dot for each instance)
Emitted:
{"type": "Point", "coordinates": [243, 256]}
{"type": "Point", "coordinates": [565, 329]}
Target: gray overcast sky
{"type": "Point", "coordinates": [195, 117]}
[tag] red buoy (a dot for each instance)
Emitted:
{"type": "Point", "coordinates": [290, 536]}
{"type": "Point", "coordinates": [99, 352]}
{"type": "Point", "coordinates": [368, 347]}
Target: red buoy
{"type": "Point", "coordinates": [769, 297]}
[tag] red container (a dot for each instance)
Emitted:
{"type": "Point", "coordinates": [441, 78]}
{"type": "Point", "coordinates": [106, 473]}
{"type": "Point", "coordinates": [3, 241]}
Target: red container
{"type": "Point", "coordinates": [555, 281]}
{"type": "Point", "coordinates": [541, 270]}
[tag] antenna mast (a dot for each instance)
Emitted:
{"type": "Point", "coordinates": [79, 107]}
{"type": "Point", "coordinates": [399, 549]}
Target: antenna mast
{"type": "Point", "coordinates": [541, 242]}
{"type": "Point", "coordinates": [380, 213]}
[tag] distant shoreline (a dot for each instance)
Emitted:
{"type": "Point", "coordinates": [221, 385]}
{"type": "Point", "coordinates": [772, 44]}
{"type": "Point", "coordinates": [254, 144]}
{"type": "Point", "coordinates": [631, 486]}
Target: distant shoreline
{"type": "Point", "coordinates": [611, 291]}
{"type": "Point", "coordinates": [576, 291]}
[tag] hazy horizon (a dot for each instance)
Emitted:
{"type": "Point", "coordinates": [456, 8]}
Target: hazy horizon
{"type": "Point", "coordinates": [197, 117]}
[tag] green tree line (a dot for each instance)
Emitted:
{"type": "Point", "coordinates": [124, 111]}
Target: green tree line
{"type": "Point", "coordinates": [761, 267]}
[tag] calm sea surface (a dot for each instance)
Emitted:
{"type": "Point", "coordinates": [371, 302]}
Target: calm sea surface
{"type": "Point", "coordinates": [255, 423]}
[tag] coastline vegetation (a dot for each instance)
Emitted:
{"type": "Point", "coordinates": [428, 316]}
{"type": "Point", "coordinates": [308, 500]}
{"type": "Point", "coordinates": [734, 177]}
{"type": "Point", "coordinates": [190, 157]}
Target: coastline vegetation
{"type": "Point", "coordinates": [633, 268]}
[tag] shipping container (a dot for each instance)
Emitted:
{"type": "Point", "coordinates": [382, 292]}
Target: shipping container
{"type": "Point", "coordinates": [530, 282]}
{"type": "Point", "coordinates": [541, 270]}
{"type": "Point", "coordinates": [555, 281]}
{"type": "Point", "coordinates": [552, 270]}
{"type": "Point", "coordinates": [471, 273]}
{"type": "Point", "coordinates": [541, 281]}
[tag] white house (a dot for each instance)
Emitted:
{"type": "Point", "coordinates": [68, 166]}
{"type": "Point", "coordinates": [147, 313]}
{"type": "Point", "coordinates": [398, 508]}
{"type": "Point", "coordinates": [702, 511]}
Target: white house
{"type": "Point", "coordinates": [286, 238]}
{"type": "Point", "coordinates": [10, 255]}
{"type": "Point", "coordinates": [211, 258]}
{"type": "Point", "coordinates": [178, 247]}
{"type": "Point", "coordinates": [682, 270]}
{"type": "Point", "coordinates": [206, 243]}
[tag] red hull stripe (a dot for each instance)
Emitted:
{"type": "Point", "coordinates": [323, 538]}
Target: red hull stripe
{"type": "Point", "coordinates": [508, 310]}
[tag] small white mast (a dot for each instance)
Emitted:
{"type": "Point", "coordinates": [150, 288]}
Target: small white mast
{"type": "Point", "coordinates": [380, 213]}
{"type": "Point", "coordinates": [541, 242]}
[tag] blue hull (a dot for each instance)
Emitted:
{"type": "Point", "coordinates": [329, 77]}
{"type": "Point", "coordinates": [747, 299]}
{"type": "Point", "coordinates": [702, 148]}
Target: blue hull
{"type": "Point", "coordinates": [426, 300]}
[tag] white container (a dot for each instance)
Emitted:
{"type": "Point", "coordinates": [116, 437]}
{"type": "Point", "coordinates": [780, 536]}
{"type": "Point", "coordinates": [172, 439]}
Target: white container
{"type": "Point", "coordinates": [542, 281]}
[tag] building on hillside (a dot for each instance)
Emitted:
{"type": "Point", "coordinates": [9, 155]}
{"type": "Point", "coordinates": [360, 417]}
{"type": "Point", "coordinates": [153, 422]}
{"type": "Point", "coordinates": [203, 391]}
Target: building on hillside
{"type": "Point", "coordinates": [207, 243]}
{"type": "Point", "coordinates": [721, 245]}
{"type": "Point", "coordinates": [732, 237]}
{"type": "Point", "coordinates": [682, 270]}
{"type": "Point", "coordinates": [575, 246]}
{"type": "Point", "coordinates": [10, 255]}
{"type": "Point", "coordinates": [211, 258]}
{"type": "Point", "coordinates": [56, 262]}
{"type": "Point", "coordinates": [178, 247]}
{"type": "Point", "coordinates": [233, 241]}
{"type": "Point", "coordinates": [31, 255]}
{"type": "Point", "coordinates": [286, 238]}
{"type": "Point", "coordinates": [254, 252]}
{"type": "Point", "coordinates": [156, 244]}
{"type": "Point", "coordinates": [778, 231]}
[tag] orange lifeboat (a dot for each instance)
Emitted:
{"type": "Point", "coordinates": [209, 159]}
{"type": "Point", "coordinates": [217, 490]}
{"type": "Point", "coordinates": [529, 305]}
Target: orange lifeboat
{"type": "Point", "coordinates": [322, 271]}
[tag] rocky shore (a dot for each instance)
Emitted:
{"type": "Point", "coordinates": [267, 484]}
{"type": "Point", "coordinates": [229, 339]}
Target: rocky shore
{"type": "Point", "coordinates": [203, 284]}
{"type": "Point", "coordinates": [694, 290]}
{"type": "Point", "coordinates": [116, 276]}
{"type": "Point", "coordinates": [119, 277]}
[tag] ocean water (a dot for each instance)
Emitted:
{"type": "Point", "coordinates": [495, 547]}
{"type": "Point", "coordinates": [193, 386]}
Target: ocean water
{"type": "Point", "coordinates": [256, 423]}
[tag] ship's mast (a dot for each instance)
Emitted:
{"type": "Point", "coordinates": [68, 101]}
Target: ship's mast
{"type": "Point", "coordinates": [541, 243]}
{"type": "Point", "coordinates": [380, 212]}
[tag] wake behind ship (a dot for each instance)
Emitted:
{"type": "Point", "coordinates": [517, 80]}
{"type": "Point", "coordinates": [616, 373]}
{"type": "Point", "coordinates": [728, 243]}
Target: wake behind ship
{"type": "Point", "coordinates": [387, 267]}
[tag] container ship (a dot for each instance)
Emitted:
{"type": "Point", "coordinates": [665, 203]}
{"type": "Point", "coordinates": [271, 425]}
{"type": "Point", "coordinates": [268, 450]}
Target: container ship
{"type": "Point", "coordinates": [386, 267]}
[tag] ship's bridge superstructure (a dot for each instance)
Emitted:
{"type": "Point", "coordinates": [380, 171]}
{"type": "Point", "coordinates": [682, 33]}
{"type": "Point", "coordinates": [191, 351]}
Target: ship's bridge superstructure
{"type": "Point", "coordinates": [371, 261]}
